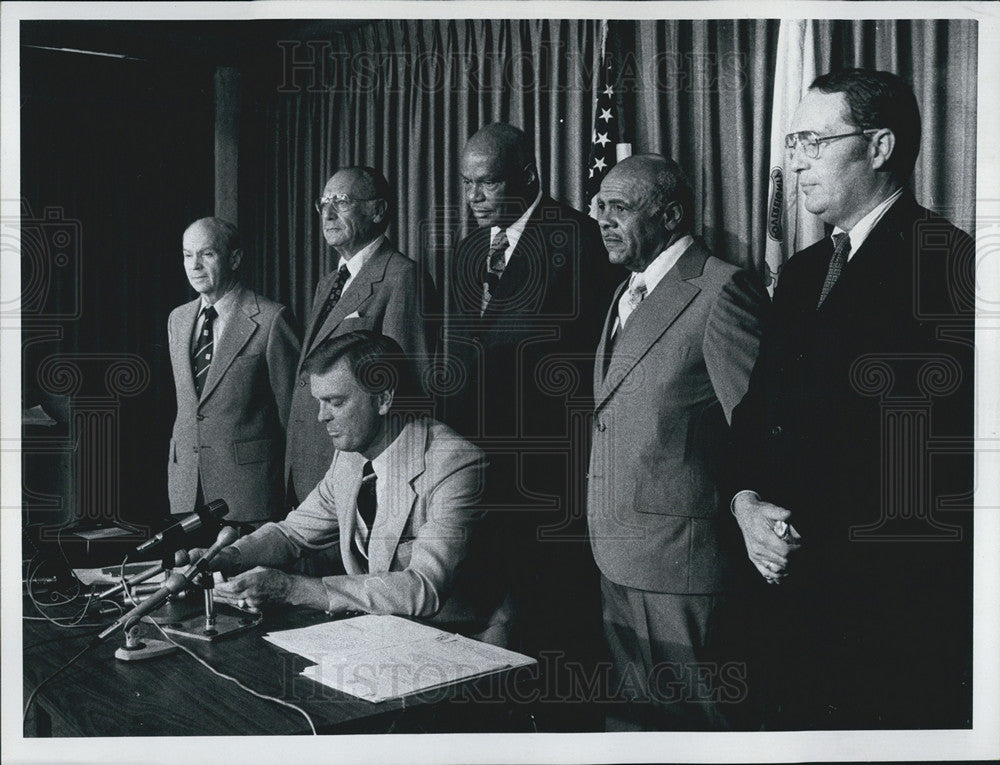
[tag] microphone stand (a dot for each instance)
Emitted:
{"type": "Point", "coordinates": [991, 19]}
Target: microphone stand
{"type": "Point", "coordinates": [135, 648]}
{"type": "Point", "coordinates": [212, 625]}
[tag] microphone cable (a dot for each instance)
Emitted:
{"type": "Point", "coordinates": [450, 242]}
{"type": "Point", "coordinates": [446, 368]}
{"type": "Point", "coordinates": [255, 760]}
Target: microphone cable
{"type": "Point", "coordinates": [31, 696]}
{"type": "Point", "coordinates": [230, 678]}
{"type": "Point", "coordinates": [237, 682]}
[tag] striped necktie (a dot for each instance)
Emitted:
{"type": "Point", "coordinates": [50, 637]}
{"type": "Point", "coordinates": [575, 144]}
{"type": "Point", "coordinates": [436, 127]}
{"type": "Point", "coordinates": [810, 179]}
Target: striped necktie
{"type": "Point", "coordinates": [343, 274]}
{"type": "Point", "coordinates": [841, 246]}
{"type": "Point", "coordinates": [201, 360]}
{"type": "Point", "coordinates": [496, 261]}
{"type": "Point", "coordinates": [367, 509]}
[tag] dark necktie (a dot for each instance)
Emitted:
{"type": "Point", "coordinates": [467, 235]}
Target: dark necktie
{"type": "Point", "coordinates": [841, 246]}
{"type": "Point", "coordinates": [495, 263]}
{"type": "Point", "coordinates": [343, 274]}
{"type": "Point", "coordinates": [201, 360]}
{"type": "Point", "coordinates": [367, 507]}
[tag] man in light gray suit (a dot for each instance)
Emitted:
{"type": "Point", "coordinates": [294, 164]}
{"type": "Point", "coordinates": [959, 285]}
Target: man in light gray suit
{"type": "Point", "coordinates": [233, 354]}
{"type": "Point", "coordinates": [679, 342]}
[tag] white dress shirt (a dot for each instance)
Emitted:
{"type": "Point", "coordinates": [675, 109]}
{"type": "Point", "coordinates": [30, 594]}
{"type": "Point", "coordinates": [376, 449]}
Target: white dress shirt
{"type": "Point", "coordinates": [358, 259]}
{"type": "Point", "coordinates": [652, 275]}
{"type": "Point", "coordinates": [224, 311]}
{"type": "Point", "coordinates": [864, 227]}
{"type": "Point", "coordinates": [515, 229]}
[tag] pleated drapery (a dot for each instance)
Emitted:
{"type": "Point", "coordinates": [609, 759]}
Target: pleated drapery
{"type": "Point", "coordinates": [407, 94]}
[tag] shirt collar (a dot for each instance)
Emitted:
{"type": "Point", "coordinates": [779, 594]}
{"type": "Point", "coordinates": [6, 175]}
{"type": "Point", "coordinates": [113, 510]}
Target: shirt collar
{"type": "Point", "coordinates": [225, 303]}
{"type": "Point", "coordinates": [358, 260]}
{"type": "Point", "coordinates": [662, 263]}
{"type": "Point", "coordinates": [864, 227]}
{"type": "Point", "coordinates": [515, 229]}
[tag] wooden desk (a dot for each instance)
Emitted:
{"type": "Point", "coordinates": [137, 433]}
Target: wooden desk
{"type": "Point", "coordinates": [176, 696]}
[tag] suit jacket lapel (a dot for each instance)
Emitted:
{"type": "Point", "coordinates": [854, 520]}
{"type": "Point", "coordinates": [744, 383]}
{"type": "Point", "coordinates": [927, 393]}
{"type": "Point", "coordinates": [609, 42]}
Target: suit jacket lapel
{"type": "Point", "coordinates": [347, 483]}
{"type": "Point", "coordinates": [652, 318]}
{"type": "Point", "coordinates": [362, 287]}
{"type": "Point", "coordinates": [399, 495]}
{"type": "Point", "coordinates": [601, 358]}
{"type": "Point", "coordinates": [239, 330]}
{"type": "Point", "coordinates": [181, 350]}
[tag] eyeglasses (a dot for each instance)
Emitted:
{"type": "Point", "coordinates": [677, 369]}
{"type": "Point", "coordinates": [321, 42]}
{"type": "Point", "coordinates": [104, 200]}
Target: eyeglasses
{"type": "Point", "coordinates": [810, 143]}
{"type": "Point", "coordinates": [341, 203]}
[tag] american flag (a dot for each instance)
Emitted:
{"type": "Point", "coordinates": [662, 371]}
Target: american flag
{"type": "Point", "coordinates": [608, 144]}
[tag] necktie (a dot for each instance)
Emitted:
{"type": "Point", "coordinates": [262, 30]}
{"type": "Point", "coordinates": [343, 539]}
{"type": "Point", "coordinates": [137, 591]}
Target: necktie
{"type": "Point", "coordinates": [495, 263]}
{"type": "Point", "coordinates": [631, 299]}
{"type": "Point", "coordinates": [367, 507]}
{"type": "Point", "coordinates": [841, 246]}
{"type": "Point", "coordinates": [201, 360]}
{"type": "Point", "coordinates": [343, 274]}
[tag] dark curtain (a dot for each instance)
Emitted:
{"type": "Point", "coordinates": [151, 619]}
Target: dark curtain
{"type": "Point", "coordinates": [405, 95]}
{"type": "Point", "coordinates": [116, 158]}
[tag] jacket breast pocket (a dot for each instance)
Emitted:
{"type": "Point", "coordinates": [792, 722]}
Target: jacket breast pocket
{"type": "Point", "coordinates": [248, 452]}
{"type": "Point", "coordinates": [357, 322]}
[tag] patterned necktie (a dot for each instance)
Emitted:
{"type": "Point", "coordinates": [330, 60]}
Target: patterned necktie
{"type": "Point", "coordinates": [841, 246]}
{"type": "Point", "coordinates": [631, 299]}
{"type": "Point", "coordinates": [201, 360]}
{"type": "Point", "coordinates": [343, 274]}
{"type": "Point", "coordinates": [495, 263]}
{"type": "Point", "coordinates": [367, 508]}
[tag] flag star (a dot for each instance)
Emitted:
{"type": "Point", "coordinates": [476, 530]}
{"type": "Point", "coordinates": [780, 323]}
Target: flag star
{"type": "Point", "coordinates": [609, 91]}
{"type": "Point", "coordinates": [599, 163]}
{"type": "Point", "coordinates": [602, 138]}
{"type": "Point", "coordinates": [605, 115]}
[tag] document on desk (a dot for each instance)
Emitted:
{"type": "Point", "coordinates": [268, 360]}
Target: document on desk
{"type": "Point", "coordinates": [386, 657]}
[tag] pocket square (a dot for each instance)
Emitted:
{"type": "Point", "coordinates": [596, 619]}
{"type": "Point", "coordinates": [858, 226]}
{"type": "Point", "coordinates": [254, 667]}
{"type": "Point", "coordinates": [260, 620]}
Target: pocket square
{"type": "Point", "coordinates": [354, 315]}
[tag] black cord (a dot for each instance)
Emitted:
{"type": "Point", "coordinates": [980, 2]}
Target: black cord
{"type": "Point", "coordinates": [31, 696]}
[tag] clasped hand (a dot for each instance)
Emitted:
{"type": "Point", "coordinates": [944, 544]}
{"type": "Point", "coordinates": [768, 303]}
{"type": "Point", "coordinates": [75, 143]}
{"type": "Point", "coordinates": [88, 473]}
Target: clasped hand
{"type": "Point", "coordinates": [770, 539]}
{"type": "Point", "coordinates": [256, 588]}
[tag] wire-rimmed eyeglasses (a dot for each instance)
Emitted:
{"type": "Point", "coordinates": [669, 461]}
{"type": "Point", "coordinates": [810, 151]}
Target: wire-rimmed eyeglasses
{"type": "Point", "coordinates": [810, 143]}
{"type": "Point", "coordinates": [341, 203]}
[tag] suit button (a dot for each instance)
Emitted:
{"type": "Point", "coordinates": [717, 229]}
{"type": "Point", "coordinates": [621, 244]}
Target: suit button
{"type": "Point", "coordinates": [776, 431]}
{"type": "Point", "coordinates": [302, 383]}
{"type": "Point", "coordinates": [201, 417]}
{"type": "Point", "coordinates": [195, 449]}
{"type": "Point", "coordinates": [601, 426]}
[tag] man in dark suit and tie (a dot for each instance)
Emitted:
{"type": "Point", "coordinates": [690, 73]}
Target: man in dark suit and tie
{"type": "Point", "coordinates": [399, 500]}
{"type": "Point", "coordinates": [866, 359]}
{"type": "Point", "coordinates": [526, 290]}
{"type": "Point", "coordinates": [678, 343]}
{"type": "Point", "coordinates": [374, 287]}
{"type": "Point", "coordinates": [233, 354]}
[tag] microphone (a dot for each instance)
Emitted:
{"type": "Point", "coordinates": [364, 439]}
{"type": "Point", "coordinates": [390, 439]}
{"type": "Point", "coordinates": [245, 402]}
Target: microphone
{"type": "Point", "coordinates": [181, 558]}
{"type": "Point", "coordinates": [205, 515]}
{"type": "Point", "coordinates": [173, 584]}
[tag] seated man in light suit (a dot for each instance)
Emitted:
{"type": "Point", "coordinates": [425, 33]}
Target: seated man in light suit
{"type": "Point", "coordinates": [400, 498]}
{"type": "Point", "coordinates": [233, 354]}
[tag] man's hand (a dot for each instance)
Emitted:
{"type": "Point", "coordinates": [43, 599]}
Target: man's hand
{"type": "Point", "coordinates": [768, 536]}
{"type": "Point", "coordinates": [261, 587]}
{"type": "Point", "coordinates": [227, 560]}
